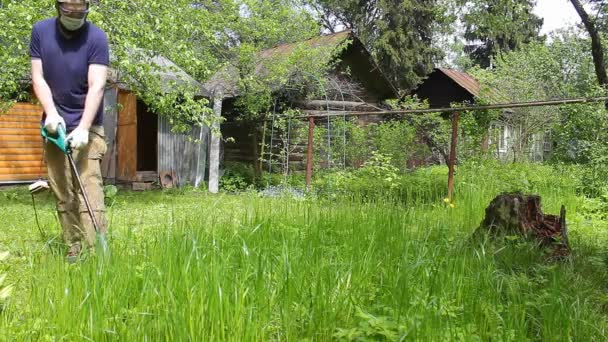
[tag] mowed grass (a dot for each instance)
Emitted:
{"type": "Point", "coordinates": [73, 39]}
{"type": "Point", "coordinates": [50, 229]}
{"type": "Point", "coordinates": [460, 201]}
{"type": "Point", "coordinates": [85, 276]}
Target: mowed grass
{"type": "Point", "coordinates": [186, 265]}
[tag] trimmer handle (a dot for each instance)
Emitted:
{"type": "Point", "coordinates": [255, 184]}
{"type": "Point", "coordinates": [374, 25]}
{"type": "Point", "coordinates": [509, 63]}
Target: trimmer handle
{"type": "Point", "coordinates": [59, 138]}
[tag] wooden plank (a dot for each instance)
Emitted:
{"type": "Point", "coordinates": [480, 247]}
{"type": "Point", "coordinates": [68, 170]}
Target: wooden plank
{"type": "Point", "coordinates": [21, 177]}
{"type": "Point", "coordinates": [20, 137]}
{"type": "Point", "coordinates": [22, 151]}
{"type": "Point", "coordinates": [146, 176]}
{"type": "Point", "coordinates": [20, 118]}
{"type": "Point", "coordinates": [20, 170]}
{"type": "Point", "coordinates": [25, 112]}
{"type": "Point", "coordinates": [20, 125]}
{"type": "Point", "coordinates": [22, 163]}
{"type": "Point", "coordinates": [27, 105]}
{"type": "Point", "coordinates": [20, 156]}
{"type": "Point", "coordinates": [126, 141]}
{"type": "Point", "coordinates": [21, 144]}
{"type": "Point", "coordinates": [128, 114]}
{"type": "Point", "coordinates": [138, 186]}
{"type": "Point", "coordinates": [26, 109]}
{"type": "Point", "coordinates": [33, 133]}
{"type": "Point", "coordinates": [126, 137]}
{"type": "Point", "coordinates": [21, 106]}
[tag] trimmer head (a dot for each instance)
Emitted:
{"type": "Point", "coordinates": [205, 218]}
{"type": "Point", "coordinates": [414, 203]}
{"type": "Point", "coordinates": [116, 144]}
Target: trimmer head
{"type": "Point", "coordinates": [38, 187]}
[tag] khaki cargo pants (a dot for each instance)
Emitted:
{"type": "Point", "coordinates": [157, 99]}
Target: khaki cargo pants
{"type": "Point", "coordinates": [72, 211]}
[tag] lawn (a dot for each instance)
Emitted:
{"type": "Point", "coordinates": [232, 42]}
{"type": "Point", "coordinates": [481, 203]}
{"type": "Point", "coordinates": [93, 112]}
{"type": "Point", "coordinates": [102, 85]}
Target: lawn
{"type": "Point", "coordinates": [186, 265]}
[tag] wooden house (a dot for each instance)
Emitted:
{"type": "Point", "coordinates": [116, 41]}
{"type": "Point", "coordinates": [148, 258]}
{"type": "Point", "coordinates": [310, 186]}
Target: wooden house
{"type": "Point", "coordinates": [444, 87]}
{"type": "Point", "coordinates": [354, 83]}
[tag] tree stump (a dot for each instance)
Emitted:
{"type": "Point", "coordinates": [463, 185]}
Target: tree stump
{"type": "Point", "coordinates": [518, 214]}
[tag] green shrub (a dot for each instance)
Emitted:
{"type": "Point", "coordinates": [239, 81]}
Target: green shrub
{"type": "Point", "coordinates": [237, 177]}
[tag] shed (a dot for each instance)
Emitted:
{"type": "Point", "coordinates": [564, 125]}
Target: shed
{"type": "Point", "coordinates": [442, 87]}
{"type": "Point", "coordinates": [141, 146]}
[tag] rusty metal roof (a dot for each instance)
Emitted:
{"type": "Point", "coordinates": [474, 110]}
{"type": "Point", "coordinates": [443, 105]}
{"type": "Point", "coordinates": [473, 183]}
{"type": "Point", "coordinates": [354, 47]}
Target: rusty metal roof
{"type": "Point", "coordinates": [464, 80]}
{"type": "Point", "coordinates": [226, 79]}
{"type": "Point", "coordinates": [472, 85]}
{"type": "Point", "coordinates": [330, 40]}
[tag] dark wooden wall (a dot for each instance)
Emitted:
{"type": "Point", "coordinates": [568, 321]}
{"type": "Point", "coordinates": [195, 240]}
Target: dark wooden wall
{"type": "Point", "coordinates": [441, 91]}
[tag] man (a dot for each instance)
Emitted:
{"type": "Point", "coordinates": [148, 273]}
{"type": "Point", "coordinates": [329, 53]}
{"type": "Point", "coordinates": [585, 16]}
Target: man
{"type": "Point", "coordinates": [70, 58]}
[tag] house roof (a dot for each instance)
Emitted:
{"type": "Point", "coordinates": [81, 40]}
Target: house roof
{"type": "Point", "coordinates": [466, 81]}
{"type": "Point", "coordinates": [330, 40]}
{"type": "Point", "coordinates": [471, 85]}
{"type": "Point", "coordinates": [168, 72]}
{"type": "Point", "coordinates": [227, 78]}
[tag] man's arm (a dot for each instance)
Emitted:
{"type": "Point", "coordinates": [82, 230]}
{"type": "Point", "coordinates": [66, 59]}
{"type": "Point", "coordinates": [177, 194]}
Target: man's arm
{"type": "Point", "coordinates": [97, 76]}
{"type": "Point", "coordinates": [42, 89]}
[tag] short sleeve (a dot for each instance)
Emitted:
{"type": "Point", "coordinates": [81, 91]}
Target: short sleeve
{"type": "Point", "coordinates": [35, 44]}
{"type": "Point", "coordinates": [99, 50]}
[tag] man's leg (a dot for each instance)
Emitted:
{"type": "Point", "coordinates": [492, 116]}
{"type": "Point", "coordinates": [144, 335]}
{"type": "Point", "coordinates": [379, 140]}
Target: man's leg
{"type": "Point", "coordinates": [60, 181]}
{"type": "Point", "coordinates": [88, 162]}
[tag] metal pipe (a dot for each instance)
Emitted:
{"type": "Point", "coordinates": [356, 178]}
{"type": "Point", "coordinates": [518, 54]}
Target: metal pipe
{"type": "Point", "coordinates": [311, 128]}
{"type": "Point", "coordinates": [452, 161]}
{"type": "Point", "coordinates": [467, 108]}
{"type": "Point", "coordinates": [263, 147]}
{"type": "Point", "coordinates": [84, 193]}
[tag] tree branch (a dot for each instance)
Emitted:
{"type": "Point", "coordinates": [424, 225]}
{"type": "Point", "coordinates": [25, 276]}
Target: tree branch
{"type": "Point", "coordinates": [596, 43]}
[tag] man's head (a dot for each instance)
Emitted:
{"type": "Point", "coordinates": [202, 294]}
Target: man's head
{"type": "Point", "coordinates": [72, 13]}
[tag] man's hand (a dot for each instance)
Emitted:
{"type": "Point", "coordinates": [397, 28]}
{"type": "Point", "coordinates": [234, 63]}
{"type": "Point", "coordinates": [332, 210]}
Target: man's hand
{"type": "Point", "coordinates": [52, 123]}
{"type": "Point", "coordinates": [79, 138]}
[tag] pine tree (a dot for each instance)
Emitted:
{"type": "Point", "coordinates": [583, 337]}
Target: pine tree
{"type": "Point", "coordinates": [399, 34]}
{"type": "Point", "coordinates": [493, 27]}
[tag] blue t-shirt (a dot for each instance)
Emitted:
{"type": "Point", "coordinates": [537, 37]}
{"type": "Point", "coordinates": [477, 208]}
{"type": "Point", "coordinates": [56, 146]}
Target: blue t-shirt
{"type": "Point", "coordinates": [65, 64]}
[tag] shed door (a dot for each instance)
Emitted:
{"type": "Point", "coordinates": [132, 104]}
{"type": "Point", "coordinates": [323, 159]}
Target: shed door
{"type": "Point", "coordinates": [126, 137]}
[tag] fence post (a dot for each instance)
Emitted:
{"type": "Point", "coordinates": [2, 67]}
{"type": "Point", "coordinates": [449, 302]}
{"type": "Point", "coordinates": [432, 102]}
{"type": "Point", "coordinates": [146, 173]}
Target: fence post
{"type": "Point", "coordinates": [452, 160]}
{"type": "Point", "coordinates": [311, 128]}
{"type": "Point", "coordinates": [214, 146]}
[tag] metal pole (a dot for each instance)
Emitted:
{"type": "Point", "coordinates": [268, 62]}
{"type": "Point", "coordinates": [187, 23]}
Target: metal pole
{"type": "Point", "coordinates": [261, 160]}
{"type": "Point", "coordinates": [311, 129]}
{"type": "Point", "coordinates": [467, 108]}
{"type": "Point", "coordinates": [84, 193]}
{"type": "Point", "coordinates": [214, 146]}
{"type": "Point", "coordinates": [455, 118]}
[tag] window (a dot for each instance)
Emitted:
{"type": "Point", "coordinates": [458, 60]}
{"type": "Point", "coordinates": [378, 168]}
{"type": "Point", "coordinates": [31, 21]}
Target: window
{"type": "Point", "coordinates": [547, 142]}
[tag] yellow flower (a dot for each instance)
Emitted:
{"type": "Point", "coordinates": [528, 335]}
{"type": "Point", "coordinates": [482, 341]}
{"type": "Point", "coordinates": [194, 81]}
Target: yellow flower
{"type": "Point", "coordinates": [452, 205]}
{"type": "Point", "coordinates": [446, 200]}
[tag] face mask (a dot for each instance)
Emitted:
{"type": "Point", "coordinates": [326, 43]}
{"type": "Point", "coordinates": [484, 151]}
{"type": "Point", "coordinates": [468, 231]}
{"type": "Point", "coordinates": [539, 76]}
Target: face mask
{"type": "Point", "coordinates": [71, 23]}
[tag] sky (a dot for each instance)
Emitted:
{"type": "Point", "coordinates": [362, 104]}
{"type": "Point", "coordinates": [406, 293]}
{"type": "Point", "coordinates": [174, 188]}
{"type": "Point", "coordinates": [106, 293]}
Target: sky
{"type": "Point", "coordinates": [557, 14]}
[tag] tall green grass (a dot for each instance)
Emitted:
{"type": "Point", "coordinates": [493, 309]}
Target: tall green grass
{"type": "Point", "coordinates": [190, 266]}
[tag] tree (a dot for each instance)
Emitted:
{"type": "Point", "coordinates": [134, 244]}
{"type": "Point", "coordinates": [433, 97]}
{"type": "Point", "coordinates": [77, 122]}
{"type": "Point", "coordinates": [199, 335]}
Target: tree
{"type": "Point", "coordinates": [597, 50]}
{"type": "Point", "coordinates": [199, 37]}
{"type": "Point", "coordinates": [399, 34]}
{"type": "Point", "coordinates": [561, 69]}
{"type": "Point", "coordinates": [494, 27]}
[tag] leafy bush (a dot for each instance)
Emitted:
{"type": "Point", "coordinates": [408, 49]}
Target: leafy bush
{"type": "Point", "coordinates": [397, 139]}
{"type": "Point", "coordinates": [237, 177]}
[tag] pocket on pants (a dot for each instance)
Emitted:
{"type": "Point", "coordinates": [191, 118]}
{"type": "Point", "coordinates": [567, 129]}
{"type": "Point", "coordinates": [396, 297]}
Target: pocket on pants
{"type": "Point", "coordinates": [98, 146]}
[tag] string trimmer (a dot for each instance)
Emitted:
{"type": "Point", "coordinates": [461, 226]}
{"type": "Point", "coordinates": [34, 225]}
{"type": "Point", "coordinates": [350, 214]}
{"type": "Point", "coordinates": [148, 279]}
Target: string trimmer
{"type": "Point", "coordinates": [60, 141]}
